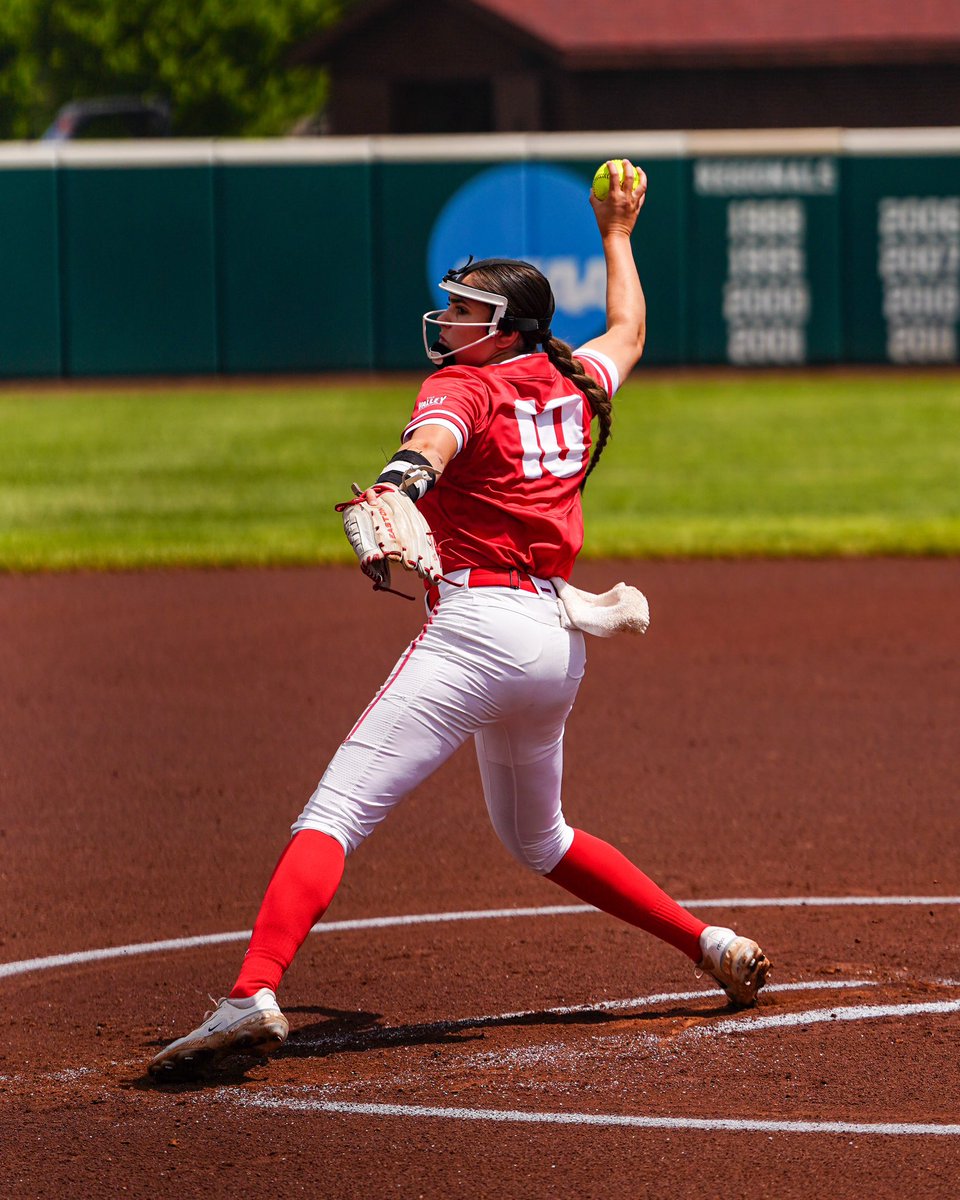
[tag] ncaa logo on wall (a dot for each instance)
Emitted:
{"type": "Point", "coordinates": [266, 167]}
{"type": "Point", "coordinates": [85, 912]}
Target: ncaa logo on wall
{"type": "Point", "coordinates": [536, 212]}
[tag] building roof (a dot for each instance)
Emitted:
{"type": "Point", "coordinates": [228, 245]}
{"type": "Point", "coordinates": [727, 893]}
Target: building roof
{"type": "Point", "coordinates": [584, 34]}
{"type": "Point", "coordinates": [818, 30]}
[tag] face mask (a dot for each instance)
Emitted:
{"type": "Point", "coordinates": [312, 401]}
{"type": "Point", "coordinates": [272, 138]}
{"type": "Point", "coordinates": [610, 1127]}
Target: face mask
{"type": "Point", "coordinates": [433, 325]}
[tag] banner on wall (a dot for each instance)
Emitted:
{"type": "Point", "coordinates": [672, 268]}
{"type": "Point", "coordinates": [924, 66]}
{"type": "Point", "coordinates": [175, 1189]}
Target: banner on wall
{"type": "Point", "coordinates": [766, 275]}
{"type": "Point", "coordinates": [902, 284]}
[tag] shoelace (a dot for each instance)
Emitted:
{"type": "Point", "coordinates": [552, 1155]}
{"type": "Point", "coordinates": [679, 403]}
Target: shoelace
{"type": "Point", "coordinates": [216, 1004]}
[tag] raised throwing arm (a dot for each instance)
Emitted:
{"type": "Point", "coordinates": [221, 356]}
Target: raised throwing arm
{"type": "Point", "coordinates": [616, 216]}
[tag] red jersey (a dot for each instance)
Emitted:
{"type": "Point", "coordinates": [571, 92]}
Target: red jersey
{"type": "Point", "coordinates": [511, 495]}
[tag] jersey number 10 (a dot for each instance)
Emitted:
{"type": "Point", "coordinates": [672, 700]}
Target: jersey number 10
{"type": "Point", "coordinates": [552, 439]}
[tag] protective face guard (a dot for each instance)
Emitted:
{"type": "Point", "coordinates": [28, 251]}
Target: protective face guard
{"type": "Point", "coordinates": [497, 302]}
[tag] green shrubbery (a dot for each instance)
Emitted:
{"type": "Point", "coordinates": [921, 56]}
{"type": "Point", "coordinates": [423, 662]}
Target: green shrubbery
{"type": "Point", "coordinates": [220, 63]}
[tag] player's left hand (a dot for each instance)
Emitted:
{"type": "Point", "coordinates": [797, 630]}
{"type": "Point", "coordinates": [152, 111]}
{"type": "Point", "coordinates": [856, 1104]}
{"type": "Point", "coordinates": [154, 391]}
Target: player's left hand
{"type": "Point", "coordinates": [384, 526]}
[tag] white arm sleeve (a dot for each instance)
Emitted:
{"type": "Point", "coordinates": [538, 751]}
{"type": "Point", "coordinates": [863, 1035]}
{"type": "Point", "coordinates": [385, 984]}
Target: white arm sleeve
{"type": "Point", "coordinates": [603, 369]}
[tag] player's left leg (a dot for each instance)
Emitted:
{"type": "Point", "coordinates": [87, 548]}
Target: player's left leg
{"type": "Point", "coordinates": [421, 715]}
{"type": "Point", "coordinates": [301, 887]}
{"type": "Point", "coordinates": [249, 1020]}
{"type": "Point", "coordinates": [424, 711]}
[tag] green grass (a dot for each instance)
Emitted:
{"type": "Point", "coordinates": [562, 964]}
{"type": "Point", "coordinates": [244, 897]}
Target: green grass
{"type": "Point", "coordinates": [808, 465]}
{"type": "Point", "coordinates": [722, 465]}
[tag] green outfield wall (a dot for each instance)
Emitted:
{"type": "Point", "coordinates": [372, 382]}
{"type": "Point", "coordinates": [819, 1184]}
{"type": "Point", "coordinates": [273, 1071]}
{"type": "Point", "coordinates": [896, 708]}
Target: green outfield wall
{"type": "Point", "coordinates": [301, 255]}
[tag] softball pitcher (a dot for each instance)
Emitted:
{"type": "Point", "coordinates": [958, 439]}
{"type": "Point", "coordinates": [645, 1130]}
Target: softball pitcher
{"type": "Point", "coordinates": [481, 501]}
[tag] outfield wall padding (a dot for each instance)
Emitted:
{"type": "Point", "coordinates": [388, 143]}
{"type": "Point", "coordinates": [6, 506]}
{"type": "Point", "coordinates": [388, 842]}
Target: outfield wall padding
{"type": "Point", "coordinates": [302, 255]}
{"type": "Point", "coordinates": [30, 328]}
{"type": "Point", "coordinates": [137, 271]}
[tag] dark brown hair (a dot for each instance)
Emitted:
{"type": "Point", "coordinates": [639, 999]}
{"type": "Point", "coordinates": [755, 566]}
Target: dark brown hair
{"type": "Point", "coordinates": [529, 294]}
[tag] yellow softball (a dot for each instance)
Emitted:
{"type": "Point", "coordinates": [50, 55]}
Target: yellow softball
{"type": "Point", "coordinates": [601, 181]}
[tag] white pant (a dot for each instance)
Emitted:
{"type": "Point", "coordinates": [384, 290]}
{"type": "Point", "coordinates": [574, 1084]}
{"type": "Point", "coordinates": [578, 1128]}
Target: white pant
{"type": "Point", "coordinates": [490, 662]}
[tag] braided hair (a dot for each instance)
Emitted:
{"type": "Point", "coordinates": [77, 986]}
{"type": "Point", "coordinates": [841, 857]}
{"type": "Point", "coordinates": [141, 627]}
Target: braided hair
{"type": "Point", "coordinates": [529, 294]}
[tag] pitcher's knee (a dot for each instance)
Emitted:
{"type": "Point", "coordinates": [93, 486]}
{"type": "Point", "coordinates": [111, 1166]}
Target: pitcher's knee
{"type": "Point", "coordinates": [339, 817]}
{"type": "Point", "coordinates": [340, 831]}
{"type": "Point", "coordinates": [540, 854]}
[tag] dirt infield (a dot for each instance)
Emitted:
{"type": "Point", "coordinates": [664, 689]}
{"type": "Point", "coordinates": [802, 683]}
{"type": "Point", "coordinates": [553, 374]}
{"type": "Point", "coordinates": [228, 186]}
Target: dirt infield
{"type": "Point", "coordinates": [780, 751]}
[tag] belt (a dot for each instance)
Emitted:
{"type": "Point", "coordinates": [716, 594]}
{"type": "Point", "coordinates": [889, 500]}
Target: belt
{"type": "Point", "coordinates": [509, 577]}
{"type": "Point", "coordinates": [502, 577]}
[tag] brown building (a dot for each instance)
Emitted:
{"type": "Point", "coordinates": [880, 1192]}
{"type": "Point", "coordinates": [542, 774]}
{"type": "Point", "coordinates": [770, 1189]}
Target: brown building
{"type": "Point", "coordinates": [476, 66]}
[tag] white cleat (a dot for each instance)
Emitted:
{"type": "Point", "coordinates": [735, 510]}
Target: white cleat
{"type": "Point", "coordinates": [254, 1026]}
{"type": "Point", "coordinates": [736, 963]}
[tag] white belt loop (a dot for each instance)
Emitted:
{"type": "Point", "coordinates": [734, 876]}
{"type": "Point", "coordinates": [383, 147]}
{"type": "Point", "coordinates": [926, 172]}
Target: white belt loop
{"type": "Point", "coordinates": [455, 581]}
{"type": "Point", "coordinates": [545, 588]}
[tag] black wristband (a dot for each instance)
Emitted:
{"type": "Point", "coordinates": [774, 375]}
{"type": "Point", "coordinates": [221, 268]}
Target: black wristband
{"type": "Point", "coordinates": [411, 472]}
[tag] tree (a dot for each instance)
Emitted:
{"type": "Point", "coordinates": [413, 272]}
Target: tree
{"type": "Point", "coordinates": [19, 107]}
{"type": "Point", "coordinates": [222, 64]}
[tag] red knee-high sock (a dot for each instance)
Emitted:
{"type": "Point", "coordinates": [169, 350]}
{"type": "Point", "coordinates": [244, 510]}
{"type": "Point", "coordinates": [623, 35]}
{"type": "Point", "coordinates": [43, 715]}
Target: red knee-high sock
{"type": "Point", "coordinates": [597, 873]}
{"type": "Point", "coordinates": [299, 892]}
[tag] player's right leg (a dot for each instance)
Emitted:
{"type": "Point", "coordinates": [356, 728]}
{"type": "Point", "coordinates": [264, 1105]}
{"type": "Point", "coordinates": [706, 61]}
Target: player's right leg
{"type": "Point", "coordinates": [596, 872]}
{"type": "Point", "coordinates": [521, 765]}
{"type": "Point", "coordinates": [736, 963]}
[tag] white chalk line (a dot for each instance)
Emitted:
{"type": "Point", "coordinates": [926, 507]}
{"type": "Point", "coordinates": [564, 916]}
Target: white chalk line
{"type": "Point", "coordinates": [700, 1124]}
{"type": "Point", "coordinates": [658, 998]}
{"type": "Point", "coordinates": [746, 1021]}
{"type": "Point", "coordinates": [850, 1012]}
{"type": "Point", "coordinates": [384, 1034]}
{"type": "Point", "coordinates": [78, 957]}
{"type": "Point", "coordinates": [506, 1116]}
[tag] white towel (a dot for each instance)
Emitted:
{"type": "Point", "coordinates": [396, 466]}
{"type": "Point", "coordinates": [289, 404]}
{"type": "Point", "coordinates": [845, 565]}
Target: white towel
{"type": "Point", "coordinates": [621, 608]}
